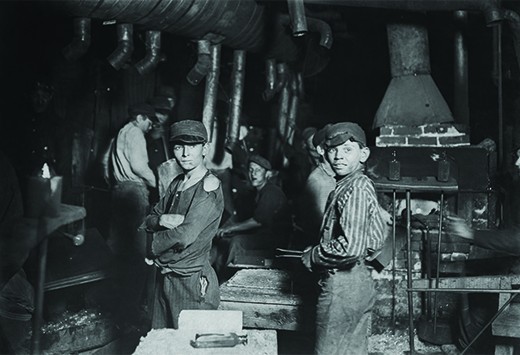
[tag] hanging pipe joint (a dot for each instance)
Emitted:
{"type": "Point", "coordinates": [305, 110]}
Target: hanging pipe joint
{"type": "Point", "coordinates": [81, 41]}
{"type": "Point", "coordinates": [153, 56]}
{"type": "Point", "coordinates": [125, 48]}
{"type": "Point", "coordinates": [298, 20]}
{"type": "Point", "coordinates": [203, 64]}
{"type": "Point", "coordinates": [281, 77]}
{"type": "Point", "coordinates": [323, 28]}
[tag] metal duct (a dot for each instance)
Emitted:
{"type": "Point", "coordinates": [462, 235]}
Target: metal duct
{"type": "Point", "coordinates": [299, 82]}
{"type": "Point", "coordinates": [460, 69]}
{"type": "Point", "coordinates": [125, 48]}
{"type": "Point", "coordinates": [293, 109]}
{"type": "Point", "coordinates": [237, 82]}
{"type": "Point", "coordinates": [283, 110]}
{"type": "Point", "coordinates": [513, 20]}
{"type": "Point", "coordinates": [282, 75]}
{"type": "Point", "coordinates": [323, 29]}
{"type": "Point", "coordinates": [153, 55]}
{"type": "Point", "coordinates": [489, 8]}
{"type": "Point", "coordinates": [412, 98]}
{"type": "Point", "coordinates": [297, 14]}
{"type": "Point", "coordinates": [211, 93]}
{"type": "Point", "coordinates": [81, 41]}
{"type": "Point", "coordinates": [270, 76]}
{"type": "Point", "coordinates": [203, 64]}
{"type": "Point", "coordinates": [238, 23]}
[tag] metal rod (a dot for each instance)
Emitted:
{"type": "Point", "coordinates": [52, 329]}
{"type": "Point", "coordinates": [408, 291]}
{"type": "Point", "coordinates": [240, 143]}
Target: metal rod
{"type": "Point", "coordinates": [38, 303]}
{"type": "Point", "coordinates": [500, 95]}
{"type": "Point", "coordinates": [237, 82]}
{"type": "Point", "coordinates": [460, 69]}
{"type": "Point", "coordinates": [393, 259]}
{"type": "Point", "coordinates": [409, 272]}
{"type": "Point", "coordinates": [428, 273]}
{"type": "Point", "coordinates": [499, 312]}
{"type": "Point", "coordinates": [438, 270]}
{"type": "Point", "coordinates": [211, 93]}
{"type": "Point", "coordinates": [463, 290]}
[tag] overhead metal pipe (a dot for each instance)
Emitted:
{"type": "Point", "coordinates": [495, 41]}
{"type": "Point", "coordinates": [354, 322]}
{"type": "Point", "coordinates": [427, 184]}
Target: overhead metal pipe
{"type": "Point", "coordinates": [298, 20]}
{"type": "Point", "coordinates": [283, 110]}
{"type": "Point", "coordinates": [153, 55]}
{"type": "Point", "coordinates": [460, 69]}
{"type": "Point", "coordinates": [237, 84]}
{"type": "Point", "coordinates": [211, 93]}
{"type": "Point", "coordinates": [240, 24]}
{"type": "Point", "coordinates": [323, 28]}
{"type": "Point", "coordinates": [293, 109]}
{"type": "Point", "coordinates": [282, 76]}
{"type": "Point", "coordinates": [125, 48]}
{"type": "Point", "coordinates": [489, 8]}
{"type": "Point", "coordinates": [81, 41]}
{"type": "Point", "coordinates": [270, 77]}
{"type": "Point", "coordinates": [203, 64]}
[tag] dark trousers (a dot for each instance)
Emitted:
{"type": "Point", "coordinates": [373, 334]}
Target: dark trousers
{"type": "Point", "coordinates": [129, 208]}
{"type": "Point", "coordinates": [174, 293]}
{"type": "Point", "coordinates": [343, 311]}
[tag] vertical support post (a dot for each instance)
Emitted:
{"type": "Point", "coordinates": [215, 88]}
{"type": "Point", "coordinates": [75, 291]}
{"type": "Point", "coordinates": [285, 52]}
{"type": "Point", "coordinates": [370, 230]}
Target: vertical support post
{"type": "Point", "coordinates": [409, 268]}
{"type": "Point", "coordinates": [393, 258]}
{"type": "Point", "coordinates": [438, 266]}
{"type": "Point", "coordinates": [237, 82]}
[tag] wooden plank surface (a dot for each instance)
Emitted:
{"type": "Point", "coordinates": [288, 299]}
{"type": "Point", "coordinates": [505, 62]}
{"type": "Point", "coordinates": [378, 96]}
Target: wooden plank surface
{"type": "Point", "coordinates": [508, 323]}
{"type": "Point", "coordinates": [267, 316]}
{"type": "Point", "coordinates": [258, 295]}
{"type": "Point", "coordinates": [489, 282]}
{"type": "Point", "coordinates": [261, 279]}
{"type": "Point", "coordinates": [172, 341]}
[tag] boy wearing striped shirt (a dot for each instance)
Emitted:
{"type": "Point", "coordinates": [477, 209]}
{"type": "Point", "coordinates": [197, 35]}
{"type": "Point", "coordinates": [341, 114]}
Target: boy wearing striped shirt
{"type": "Point", "coordinates": [352, 229]}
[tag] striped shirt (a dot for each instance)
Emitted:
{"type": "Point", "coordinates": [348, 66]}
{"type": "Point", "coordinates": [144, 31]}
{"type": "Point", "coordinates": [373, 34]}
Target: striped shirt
{"type": "Point", "coordinates": [352, 227]}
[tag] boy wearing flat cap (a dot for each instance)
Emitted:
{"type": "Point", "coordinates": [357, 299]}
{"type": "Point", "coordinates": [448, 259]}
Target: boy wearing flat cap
{"type": "Point", "coordinates": [270, 224]}
{"type": "Point", "coordinates": [351, 230]}
{"type": "Point", "coordinates": [183, 223]}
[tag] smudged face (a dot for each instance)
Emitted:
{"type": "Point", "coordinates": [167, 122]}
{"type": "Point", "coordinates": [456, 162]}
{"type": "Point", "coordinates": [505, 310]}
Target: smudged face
{"type": "Point", "coordinates": [257, 175]}
{"type": "Point", "coordinates": [144, 123]}
{"type": "Point", "coordinates": [189, 156]}
{"type": "Point", "coordinates": [347, 157]}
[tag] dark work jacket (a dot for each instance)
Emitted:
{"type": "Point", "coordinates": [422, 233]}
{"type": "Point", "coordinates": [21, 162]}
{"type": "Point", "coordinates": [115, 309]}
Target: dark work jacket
{"type": "Point", "coordinates": [272, 210]}
{"type": "Point", "coordinates": [185, 249]}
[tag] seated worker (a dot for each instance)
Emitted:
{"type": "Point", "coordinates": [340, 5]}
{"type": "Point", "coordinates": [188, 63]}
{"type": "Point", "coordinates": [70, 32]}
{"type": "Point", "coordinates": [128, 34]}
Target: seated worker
{"type": "Point", "coordinates": [267, 229]}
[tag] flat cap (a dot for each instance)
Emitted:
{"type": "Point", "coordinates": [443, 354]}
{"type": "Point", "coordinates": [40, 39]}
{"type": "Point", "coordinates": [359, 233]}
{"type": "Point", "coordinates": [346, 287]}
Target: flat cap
{"type": "Point", "coordinates": [142, 109]}
{"type": "Point", "coordinates": [341, 132]}
{"type": "Point", "coordinates": [308, 132]}
{"type": "Point", "coordinates": [263, 162]}
{"type": "Point", "coordinates": [188, 131]}
{"type": "Point", "coordinates": [319, 137]}
{"type": "Point", "coordinates": [161, 104]}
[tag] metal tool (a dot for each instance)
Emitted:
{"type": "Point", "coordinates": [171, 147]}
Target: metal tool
{"type": "Point", "coordinates": [215, 340]}
{"type": "Point", "coordinates": [288, 253]}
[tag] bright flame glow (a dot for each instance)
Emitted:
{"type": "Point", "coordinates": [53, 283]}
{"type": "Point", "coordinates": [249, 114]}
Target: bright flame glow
{"type": "Point", "coordinates": [46, 172]}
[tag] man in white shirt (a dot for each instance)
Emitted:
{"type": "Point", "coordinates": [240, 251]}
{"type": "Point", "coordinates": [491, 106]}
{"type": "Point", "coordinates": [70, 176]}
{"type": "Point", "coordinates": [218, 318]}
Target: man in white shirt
{"type": "Point", "coordinates": [130, 204]}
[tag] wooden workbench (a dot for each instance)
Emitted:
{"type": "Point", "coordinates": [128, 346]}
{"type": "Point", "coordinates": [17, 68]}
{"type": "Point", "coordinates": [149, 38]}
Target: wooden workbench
{"type": "Point", "coordinates": [267, 298]}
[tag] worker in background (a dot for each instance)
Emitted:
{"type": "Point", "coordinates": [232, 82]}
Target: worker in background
{"type": "Point", "coordinates": [319, 185]}
{"type": "Point", "coordinates": [478, 309]}
{"type": "Point", "coordinates": [269, 227]}
{"type": "Point", "coordinates": [183, 224]}
{"type": "Point", "coordinates": [352, 230]}
{"type": "Point", "coordinates": [133, 177]}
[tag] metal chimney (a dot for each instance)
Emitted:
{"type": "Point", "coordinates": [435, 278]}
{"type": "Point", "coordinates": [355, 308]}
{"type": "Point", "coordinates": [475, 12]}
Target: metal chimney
{"type": "Point", "coordinates": [412, 98]}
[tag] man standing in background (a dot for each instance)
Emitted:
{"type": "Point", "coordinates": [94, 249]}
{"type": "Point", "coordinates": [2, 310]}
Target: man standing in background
{"type": "Point", "coordinates": [133, 177]}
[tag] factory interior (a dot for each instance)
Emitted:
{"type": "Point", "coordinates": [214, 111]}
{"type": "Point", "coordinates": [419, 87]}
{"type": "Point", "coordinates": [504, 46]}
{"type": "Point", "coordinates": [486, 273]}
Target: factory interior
{"type": "Point", "coordinates": [433, 84]}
